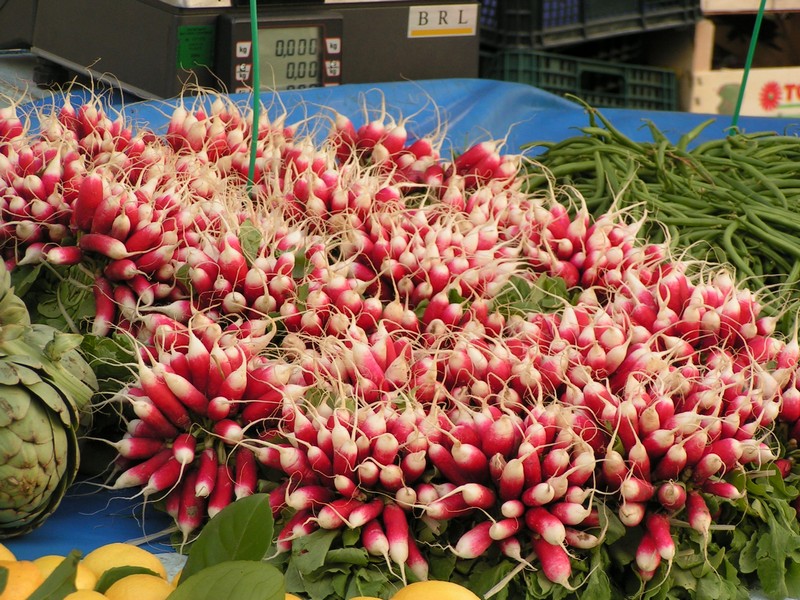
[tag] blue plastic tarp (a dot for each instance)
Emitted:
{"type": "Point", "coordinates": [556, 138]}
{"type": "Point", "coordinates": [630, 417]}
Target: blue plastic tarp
{"type": "Point", "coordinates": [88, 518]}
{"type": "Point", "coordinates": [467, 111]}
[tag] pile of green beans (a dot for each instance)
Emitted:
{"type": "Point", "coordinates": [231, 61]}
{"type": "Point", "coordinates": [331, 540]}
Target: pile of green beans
{"type": "Point", "coordinates": [733, 200]}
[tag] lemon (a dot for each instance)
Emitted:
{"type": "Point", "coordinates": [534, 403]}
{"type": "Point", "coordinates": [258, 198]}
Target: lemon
{"type": "Point", "coordinates": [120, 554]}
{"type": "Point", "coordinates": [6, 554]}
{"type": "Point", "coordinates": [85, 595]}
{"type": "Point", "coordinates": [292, 597]}
{"type": "Point", "coordinates": [84, 577]}
{"type": "Point", "coordinates": [23, 578]}
{"type": "Point", "coordinates": [434, 590]}
{"type": "Point", "coordinates": [140, 587]}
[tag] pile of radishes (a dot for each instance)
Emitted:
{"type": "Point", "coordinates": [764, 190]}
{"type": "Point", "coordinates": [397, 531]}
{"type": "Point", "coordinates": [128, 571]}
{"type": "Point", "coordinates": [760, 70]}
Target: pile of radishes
{"type": "Point", "coordinates": [357, 327]}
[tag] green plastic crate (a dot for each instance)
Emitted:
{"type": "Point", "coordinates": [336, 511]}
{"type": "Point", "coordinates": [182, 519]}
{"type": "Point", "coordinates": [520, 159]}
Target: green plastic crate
{"type": "Point", "coordinates": [600, 84]}
{"type": "Point", "coordinates": [542, 24]}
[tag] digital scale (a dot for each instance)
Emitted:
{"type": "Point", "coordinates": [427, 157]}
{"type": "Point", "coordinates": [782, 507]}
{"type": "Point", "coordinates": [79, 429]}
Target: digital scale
{"type": "Point", "coordinates": [162, 48]}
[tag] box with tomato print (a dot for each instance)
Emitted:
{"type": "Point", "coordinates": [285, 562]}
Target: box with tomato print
{"type": "Point", "coordinates": [773, 84]}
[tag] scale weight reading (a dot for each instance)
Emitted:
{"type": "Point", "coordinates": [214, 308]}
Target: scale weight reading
{"type": "Point", "coordinates": [294, 52]}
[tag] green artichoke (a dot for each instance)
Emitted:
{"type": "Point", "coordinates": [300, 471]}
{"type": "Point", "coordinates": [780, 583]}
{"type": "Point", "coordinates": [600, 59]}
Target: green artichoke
{"type": "Point", "coordinates": [46, 388]}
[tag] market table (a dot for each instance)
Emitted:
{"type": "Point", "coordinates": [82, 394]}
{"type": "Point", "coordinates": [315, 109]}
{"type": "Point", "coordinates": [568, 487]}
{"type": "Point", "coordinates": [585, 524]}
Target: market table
{"type": "Point", "coordinates": [470, 111]}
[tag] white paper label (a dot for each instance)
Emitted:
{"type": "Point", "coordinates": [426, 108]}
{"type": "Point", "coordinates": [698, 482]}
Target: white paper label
{"type": "Point", "coordinates": [442, 20]}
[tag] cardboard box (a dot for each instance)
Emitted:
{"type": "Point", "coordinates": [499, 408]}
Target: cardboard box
{"type": "Point", "coordinates": [712, 7]}
{"type": "Point", "coordinates": [768, 92]}
{"type": "Point", "coordinates": [772, 87]}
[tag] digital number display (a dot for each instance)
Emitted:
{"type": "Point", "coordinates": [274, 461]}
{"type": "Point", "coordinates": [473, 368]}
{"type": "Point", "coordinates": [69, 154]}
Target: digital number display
{"type": "Point", "coordinates": [291, 57]}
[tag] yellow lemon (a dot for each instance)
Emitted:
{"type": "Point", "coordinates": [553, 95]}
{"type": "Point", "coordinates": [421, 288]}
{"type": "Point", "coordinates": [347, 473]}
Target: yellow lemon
{"type": "Point", "coordinates": [365, 598]}
{"type": "Point", "coordinates": [85, 595]}
{"type": "Point", "coordinates": [6, 554]}
{"type": "Point", "coordinates": [23, 578]}
{"type": "Point", "coordinates": [140, 587]}
{"type": "Point", "coordinates": [434, 590]}
{"type": "Point", "coordinates": [292, 597]}
{"type": "Point", "coordinates": [84, 577]}
{"type": "Point", "coordinates": [120, 554]}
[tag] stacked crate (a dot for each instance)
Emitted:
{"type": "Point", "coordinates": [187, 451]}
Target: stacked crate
{"type": "Point", "coordinates": [587, 48]}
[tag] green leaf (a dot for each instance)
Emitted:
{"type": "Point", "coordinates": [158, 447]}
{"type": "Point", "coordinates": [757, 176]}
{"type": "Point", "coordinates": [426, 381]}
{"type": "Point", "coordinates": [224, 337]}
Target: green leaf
{"type": "Point", "coordinates": [442, 566]}
{"type": "Point", "coordinates": [611, 524]}
{"type": "Point", "coordinates": [111, 576]}
{"type": "Point", "coordinates": [240, 579]}
{"type": "Point", "coordinates": [24, 277]}
{"type": "Point", "coordinates": [793, 579]}
{"type": "Point", "coordinates": [61, 581]}
{"type": "Point", "coordinates": [8, 374]}
{"type": "Point", "coordinates": [350, 556]}
{"type": "Point", "coordinates": [3, 578]}
{"type": "Point", "coordinates": [371, 582]}
{"type": "Point", "coordinates": [709, 587]}
{"type": "Point", "coordinates": [419, 309]}
{"type": "Point", "coordinates": [339, 584]}
{"type": "Point", "coordinates": [522, 296]}
{"type": "Point", "coordinates": [454, 297]}
{"type": "Point", "coordinates": [772, 549]}
{"type": "Point", "coordinates": [310, 550]}
{"type": "Point", "coordinates": [748, 557]}
{"type": "Point", "coordinates": [241, 531]}
{"type": "Point", "coordinates": [320, 589]}
{"type": "Point", "coordinates": [486, 577]}
{"type": "Point", "coordinates": [302, 266]}
{"type": "Point", "coordinates": [351, 537]}
{"type": "Point", "coordinates": [182, 275]}
{"type": "Point", "coordinates": [597, 585]}
{"type": "Point", "coordinates": [251, 241]}
{"type": "Point", "coordinates": [110, 357]}
{"type": "Point", "coordinates": [293, 580]}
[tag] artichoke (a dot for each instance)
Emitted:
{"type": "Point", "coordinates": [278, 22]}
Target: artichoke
{"type": "Point", "coordinates": [46, 387]}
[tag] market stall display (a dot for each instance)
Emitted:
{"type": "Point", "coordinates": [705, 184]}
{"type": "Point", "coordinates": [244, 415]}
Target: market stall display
{"type": "Point", "coordinates": [406, 339]}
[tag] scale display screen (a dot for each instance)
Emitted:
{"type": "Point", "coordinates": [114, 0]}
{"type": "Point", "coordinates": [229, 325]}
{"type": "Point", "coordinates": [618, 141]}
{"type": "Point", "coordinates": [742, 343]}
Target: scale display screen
{"type": "Point", "coordinates": [291, 57]}
{"type": "Point", "coordinates": [294, 52]}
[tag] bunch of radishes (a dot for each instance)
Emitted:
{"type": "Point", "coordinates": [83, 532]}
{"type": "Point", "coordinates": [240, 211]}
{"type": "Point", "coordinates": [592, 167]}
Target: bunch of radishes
{"type": "Point", "coordinates": [362, 334]}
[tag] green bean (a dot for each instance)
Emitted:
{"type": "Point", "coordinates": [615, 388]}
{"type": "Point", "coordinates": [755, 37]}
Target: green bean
{"type": "Point", "coordinates": [779, 266]}
{"type": "Point", "coordinates": [793, 276]}
{"type": "Point", "coordinates": [595, 115]}
{"type": "Point", "coordinates": [774, 144]}
{"type": "Point", "coordinates": [754, 261]}
{"type": "Point", "coordinates": [742, 248]}
{"type": "Point", "coordinates": [578, 143]}
{"type": "Point", "coordinates": [731, 254]}
{"type": "Point", "coordinates": [766, 234]}
{"type": "Point", "coordinates": [710, 236]}
{"type": "Point", "coordinates": [733, 161]}
{"type": "Point", "coordinates": [780, 218]}
{"type": "Point", "coordinates": [574, 147]}
{"type": "Point", "coordinates": [783, 170]}
{"type": "Point", "coordinates": [745, 192]}
{"type": "Point", "coordinates": [614, 136]}
{"type": "Point", "coordinates": [741, 142]}
{"type": "Point", "coordinates": [759, 176]}
{"type": "Point", "coordinates": [691, 135]}
{"type": "Point", "coordinates": [709, 146]}
{"type": "Point", "coordinates": [600, 177]}
{"type": "Point", "coordinates": [687, 221]}
{"type": "Point", "coordinates": [559, 171]}
{"type": "Point", "coordinates": [661, 154]}
{"type": "Point", "coordinates": [712, 152]}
